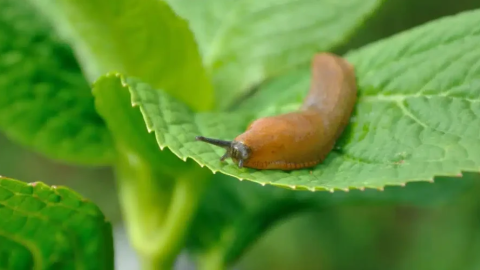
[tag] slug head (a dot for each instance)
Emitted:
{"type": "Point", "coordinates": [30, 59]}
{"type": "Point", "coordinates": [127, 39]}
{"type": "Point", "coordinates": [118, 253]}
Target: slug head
{"type": "Point", "coordinates": [235, 150]}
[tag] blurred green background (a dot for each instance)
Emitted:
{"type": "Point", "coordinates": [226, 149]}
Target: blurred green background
{"type": "Point", "coordinates": [348, 237]}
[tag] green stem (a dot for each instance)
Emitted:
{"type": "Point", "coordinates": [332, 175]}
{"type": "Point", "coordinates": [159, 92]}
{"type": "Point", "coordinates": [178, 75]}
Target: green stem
{"type": "Point", "coordinates": [152, 263]}
{"type": "Point", "coordinates": [157, 210]}
{"type": "Point", "coordinates": [184, 202]}
{"type": "Point", "coordinates": [213, 260]}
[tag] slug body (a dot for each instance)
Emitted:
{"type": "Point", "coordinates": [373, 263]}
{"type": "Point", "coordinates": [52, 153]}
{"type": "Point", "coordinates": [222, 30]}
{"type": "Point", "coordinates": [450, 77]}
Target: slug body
{"type": "Point", "coordinates": [304, 138]}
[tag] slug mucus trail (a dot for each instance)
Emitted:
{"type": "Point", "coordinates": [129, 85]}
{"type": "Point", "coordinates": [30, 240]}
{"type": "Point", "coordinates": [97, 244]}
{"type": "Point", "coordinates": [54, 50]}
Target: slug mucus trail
{"type": "Point", "coordinates": [303, 138]}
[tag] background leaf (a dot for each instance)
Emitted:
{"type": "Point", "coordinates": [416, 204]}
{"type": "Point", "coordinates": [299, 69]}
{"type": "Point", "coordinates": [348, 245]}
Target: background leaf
{"type": "Point", "coordinates": [141, 38]}
{"type": "Point", "coordinates": [392, 139]}
{"type": "Point", "coordinates": [247, 41]}
{"type": "Point", "coordinates": [234, 215]}
{"type": "Point", "coordinates": [51, 228]}
{"type": "Point", "coordinates": [45, 103]}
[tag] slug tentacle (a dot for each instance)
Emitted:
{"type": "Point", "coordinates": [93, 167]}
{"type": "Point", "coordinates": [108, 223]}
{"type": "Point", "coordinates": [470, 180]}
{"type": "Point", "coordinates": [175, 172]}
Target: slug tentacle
{"type": "Point", "coordinates": [238, 151]}
{"type": "Point", "coordinates": [217, 142]}
{"type": "Point", "coordinates": [304, 138]}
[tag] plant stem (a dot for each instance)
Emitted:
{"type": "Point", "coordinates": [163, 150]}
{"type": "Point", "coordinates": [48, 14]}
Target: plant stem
{"type": "Point", "coordinates": [213, 260]}
{"type": "Point", "coordinates": [157, 209]}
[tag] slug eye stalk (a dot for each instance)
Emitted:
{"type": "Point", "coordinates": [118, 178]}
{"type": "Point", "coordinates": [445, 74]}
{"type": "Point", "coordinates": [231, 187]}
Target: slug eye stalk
{"type": "Point", "coordinates": [237, 151]}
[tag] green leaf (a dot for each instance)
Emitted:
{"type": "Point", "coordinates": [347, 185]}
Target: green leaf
{"type": "Point", "coordinates": [246, 42]}
{"type": "Point", "coordinates": [45, 102]}
{"type": "Point", "coordinates": [51, 228]}
{"type": "Point", "coordinates": [417, 116]}
{"type": "Point", "coordinates": [228, 204]}
{"type": "Point", "coordinates": [142, 38]}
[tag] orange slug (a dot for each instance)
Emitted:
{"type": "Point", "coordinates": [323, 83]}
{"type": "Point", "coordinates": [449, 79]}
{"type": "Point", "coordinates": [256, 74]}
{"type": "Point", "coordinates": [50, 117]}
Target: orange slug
{"type": "Point", "coordinates": [303, 138]}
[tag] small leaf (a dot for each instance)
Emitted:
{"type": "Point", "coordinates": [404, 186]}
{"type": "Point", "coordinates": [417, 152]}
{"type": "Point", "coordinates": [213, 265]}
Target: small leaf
{"type": "Point", "coordinates": [45, 102]}
{"type": "Point", "coordinates": [246, 42]}
{"type": "Point", "coordinates": [418, 115]}
{"type": "Point", "coordinates": [141, 38]}
{"type": "Point", "coordinates": [51, 228]}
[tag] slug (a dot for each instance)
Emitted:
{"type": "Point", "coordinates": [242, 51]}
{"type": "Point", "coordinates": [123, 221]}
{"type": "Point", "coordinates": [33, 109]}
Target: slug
{"type": "Point", "coordinates": [300, 139]}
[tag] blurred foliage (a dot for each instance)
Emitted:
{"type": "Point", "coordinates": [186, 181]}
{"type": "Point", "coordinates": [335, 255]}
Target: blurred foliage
{"type": "Point", "coordinates": [46, 227]}
{"type": "Point", "coordinates": [45, 101]}
{"type": "Point", "coordinates": [380, 236]}
{"type": "Point", "coordinates": [245, 43]}
{"type": "Point", "coordinates": [420, 226]}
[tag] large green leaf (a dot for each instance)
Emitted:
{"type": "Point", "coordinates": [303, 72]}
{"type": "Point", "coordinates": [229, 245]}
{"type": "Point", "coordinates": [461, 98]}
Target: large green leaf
{"type": "Point", "coordinates": [141, 38]}
{"type": "Point", "coordinates": [45, 227]}
{"type": "Point", "coordinates": [45, 102]}
{"type": "Point", "coordinates": [417, 115]}
{"type": "Point", "coordinates": [228, 204]}
{"type": "Point", "coordinates": [247, 41]}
